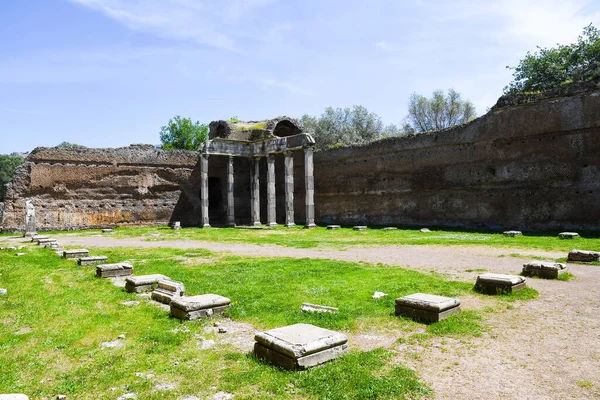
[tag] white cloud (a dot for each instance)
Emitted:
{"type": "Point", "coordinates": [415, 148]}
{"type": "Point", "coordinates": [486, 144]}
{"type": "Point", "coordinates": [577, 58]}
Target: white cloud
{"type": "Point", "coordinates": [213, 23]}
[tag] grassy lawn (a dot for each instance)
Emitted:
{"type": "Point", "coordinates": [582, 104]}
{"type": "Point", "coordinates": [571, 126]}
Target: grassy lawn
{"type": "Point", "coordinates": [56, 315]}
{"type": "Point", "coordinates": [345, 237]}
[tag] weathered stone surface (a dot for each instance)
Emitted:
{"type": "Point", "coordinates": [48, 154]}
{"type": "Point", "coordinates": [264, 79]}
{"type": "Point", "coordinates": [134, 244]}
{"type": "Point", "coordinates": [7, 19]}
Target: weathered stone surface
{"type": "Point", "coordinates": [46, 240]}
{"type": "Point", "coordinates": [583, 256]}
{"type": "Point", "coordinates": [114, 270]}
{"type": "Point", "coordinates": [547, 270]}
{"type": "Point", "coordinates": [359, 227]}
{"type": "Point", "coordinates": [568, 235]}
{"type": "Point", "coordinates": [13, 396]}
{"type": "Point", "coordinates": [92, 260]}
{"type": "Point", "coordinates": [499, 283]}
{"type": "Point", "coordinates": [194, 307]}
{"type": "Point", "coordinates": [333, 227]}
{"type": "Point", "coordinates": [143, 283]}
{"type": "Point", "coordinates": [78, 253]}
{"type": "Point", "coordinates": [36, 238]}
{"type": "Point", "coordinates": [299, 346]}
{"type": "Point", "coordinates": [427, 307]}
{"type": "Point", "coordinates": [308, 307]}
{"type": "Point", "coordinates": [512, 233]}
{"type": "Point", "coordinates": [167, 290]}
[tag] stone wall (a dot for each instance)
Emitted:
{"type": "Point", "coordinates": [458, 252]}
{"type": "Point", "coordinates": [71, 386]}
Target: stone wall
{"type": "Point", "coordinates": [86, 188]}
{"type": "Point", "coordinates": [531, 166]}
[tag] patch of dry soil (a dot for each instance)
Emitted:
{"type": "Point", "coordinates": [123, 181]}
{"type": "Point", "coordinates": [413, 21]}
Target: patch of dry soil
{"type": "Point", "coordinates": [547, 348]}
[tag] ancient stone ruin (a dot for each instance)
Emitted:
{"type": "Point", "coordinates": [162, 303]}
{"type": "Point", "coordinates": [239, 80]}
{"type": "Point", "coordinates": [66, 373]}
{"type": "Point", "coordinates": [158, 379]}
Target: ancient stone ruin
{"type": "Point", "coordinates": [531, 165]}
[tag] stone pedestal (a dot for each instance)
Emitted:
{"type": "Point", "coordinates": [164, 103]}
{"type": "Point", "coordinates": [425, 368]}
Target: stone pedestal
{"type": "Point", "coordinates": [546, 270]}
{"type": "Point", "coordinates": [299, 346]}
{"type": "Point", "coordinates": [93, 260]}
{"type": "Point", "coordinates": [143, 283]}
{"type": "Point", "coordinates": [114, 270]}
{"type": "Point", "coordinates": [78, 253]}
{"type": "Point", "coordinates": [499, 283]}
{"type": "Point", "coordinates": [583, 256]}
{"type": "Point", "coordinates": [195, 307]}
{"type": "Point", "coordinates": [568, 235]}
{"type": "Point", "coordinates": [427, 307]}
{"type": "Point", "coordinates": [167, 291]}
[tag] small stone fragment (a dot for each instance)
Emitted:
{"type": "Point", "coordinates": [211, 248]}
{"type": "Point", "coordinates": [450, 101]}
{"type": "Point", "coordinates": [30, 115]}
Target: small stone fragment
{"type": "Point", "coordinates": [216, 323]}
{"type": "Point", "coordinates": [121, 336]}
{"type": "Point", "coordinates": [223, 396]}
{"type": "Point", "coordinates": [359, 227]}
{"type": "Point", "coordinates": [3, 292]}
{"type": "Point", "coordinates": [568, 235]}
{"type": "Point", "coordinates": [127, 396]}
{"type": "Point", "coordinates": [107, 230]}
{"type": "Point", "coordinates": [20, 254]}
{"type": "Point", "coordinates": [390, 228]}
{"type": "Point", "coordinates": [308, 307]}
{"type": "Point", "coordinates": [425, 230]}
{"type": "Point", "coordinates": [512, 233]}
{"type": "Point", "coordinates": [222, 329]}
{"type": "Point", "coordinates": [378, 295]}
{"type": "Point", "coordinates": [176, 225]}
{"type": "Point", "coordinates": [61, 397]}
{"type": "Point", "coordinates": [115, 344]}
{"type": "Point", "coordinates": [164, 386]}
{"type": "Point", "coordinates": [13, 396]}
{"type": "Point", "coordinates": [331, 227]}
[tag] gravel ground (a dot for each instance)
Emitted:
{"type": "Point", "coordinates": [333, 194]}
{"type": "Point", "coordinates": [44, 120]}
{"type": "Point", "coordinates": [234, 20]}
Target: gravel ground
{"type": "Point", "coordinates": [547, 348]}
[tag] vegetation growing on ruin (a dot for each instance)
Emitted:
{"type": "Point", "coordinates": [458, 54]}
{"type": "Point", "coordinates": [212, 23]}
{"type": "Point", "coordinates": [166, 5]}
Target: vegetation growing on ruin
{"type": "Point", "coordinates": [56, 315]}
{"type": "Point", "coordinates": [8, 164]}
{"type": "Point", "coordinates": [183, 133]}
{"type": "Point", "coordinates": [549, 68]}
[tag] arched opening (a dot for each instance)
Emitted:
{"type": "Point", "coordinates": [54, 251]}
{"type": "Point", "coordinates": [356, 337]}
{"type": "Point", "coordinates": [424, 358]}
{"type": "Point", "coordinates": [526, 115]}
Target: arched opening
{"type": "Point", "coordinates": [286, 128]}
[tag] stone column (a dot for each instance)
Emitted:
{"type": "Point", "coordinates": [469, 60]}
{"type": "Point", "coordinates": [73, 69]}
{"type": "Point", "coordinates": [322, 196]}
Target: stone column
{"type": "Point", "coordinates": [309, 183]}
{"type": "Point", "coordinates": [289, 189]}
{"type": "Point", "coordinates": [230, 198]}
{"type": "Point", "coordinates": [204, 191]}
{"type": "Point", "coordinates": [255, 192]}
{"type": "Point", "coordinates": [271, 201]}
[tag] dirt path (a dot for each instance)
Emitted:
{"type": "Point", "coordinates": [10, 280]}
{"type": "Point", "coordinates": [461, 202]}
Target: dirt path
{"type": "Point", "coordinates": [548, 348]}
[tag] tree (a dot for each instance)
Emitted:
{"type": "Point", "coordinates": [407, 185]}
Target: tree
{"type": "Point", "coordinates": [8, 164]}
{"type": "Point", "coordinates": [439, 112]}
{"type": "Point", "coordinates": [343, 127]}
{"type": "Point", "coordinates": [549, 68]}
{"type": "Point", "coordinates": [182, 133]}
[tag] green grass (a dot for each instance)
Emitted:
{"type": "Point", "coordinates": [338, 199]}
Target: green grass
{"type": "Point", "coordinates": [64, 313]}
{"type": "Point", "coordinates": [346, 237]}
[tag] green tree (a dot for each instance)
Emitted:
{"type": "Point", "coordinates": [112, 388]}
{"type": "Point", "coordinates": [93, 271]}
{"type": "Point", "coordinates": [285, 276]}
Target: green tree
{"type": "Point", "coordinates": [549, 68]}
{"type": "Point", "coordinates": [8, 164]}
{"type": "Point", "coordinates": [438, 112]}
{"type": "Point", "coordinates": [343, 127]}
{"type": "Point", "coordinates": [182, 133]}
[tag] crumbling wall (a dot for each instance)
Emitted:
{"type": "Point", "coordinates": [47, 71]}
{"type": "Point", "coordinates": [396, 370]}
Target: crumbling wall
{"type": "Point", "coordinates": [87, 188]}
{"type": "Point", "coordinates": [530, 166]}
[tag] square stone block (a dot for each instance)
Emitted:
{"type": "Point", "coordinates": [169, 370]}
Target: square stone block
{"type": "Point", "coordinates": [71, 254]}
{"type": "Point", "coordinates": [202, 306]}
{"type": "Point", "coordinates": [330, 227]}
{"type": "Point", "coordinates": [114, 270]}
{"type": "Point", "coordinates": [427, 307]}
{"type": "Point", "coordinates": [168, 290]}
{"type": "Point", "coordinates": [499, 283]}
{"type": "Point", "coordinates": [299, 346]}
{"type": "Point", "coordinates": [93, 260]}
{"type": "Point", "coordinates": [568, 235]}
{"type": "Point", "coordinates": [143, 283]}
{"type": "Point", "coordinates": [359, 227]}
{"type": "Point", "coordinates": [45, 240]}
{"type": "Point", "coordinates": [546, 270]}
{"type": "Point", "coordinates": [583, 256]}
{"type": "Point", "coordinates": [36, 238]}
{"type": "Point", "coordinates": [512, 233]}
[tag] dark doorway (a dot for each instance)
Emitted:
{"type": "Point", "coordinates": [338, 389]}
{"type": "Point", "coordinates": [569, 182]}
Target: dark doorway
{"type": "Point", "coordinates": [215, 201]}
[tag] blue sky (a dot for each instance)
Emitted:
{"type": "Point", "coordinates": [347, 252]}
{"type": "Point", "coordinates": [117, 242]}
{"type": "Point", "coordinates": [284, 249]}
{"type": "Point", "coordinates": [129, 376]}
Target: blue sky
{"type": "Point", "coordinates": [107, 73]}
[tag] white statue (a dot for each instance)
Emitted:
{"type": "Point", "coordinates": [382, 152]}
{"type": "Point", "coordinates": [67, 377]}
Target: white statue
{"type": "Point", "coordinates": [30, 228]}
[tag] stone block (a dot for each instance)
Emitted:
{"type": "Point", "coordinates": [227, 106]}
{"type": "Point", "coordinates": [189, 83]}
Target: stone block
{"type": "Point", "coordinates": [568, 235]}
{"type": "Point", "coordinates": [114, 270]}
{"type": "Point", "coordinates": [79, 253]}
{"type": "Point", "coordinates": [390, 228]}
{"type": "Point", "coordinates": [107, 230]}
{"type": "Point", "coordinates": [202, 306]}
{"type": "Point", "coordinates": [499, 283]}
{"type": "Point", "coordinates": [583, 256]}
{"type": "Point", "coordinates": [143, 283]}
{"type": "Point", "coordinates": [427, 307]}
{"type": "Point", "coordinates": [359, 227]}
{"type": "Point", "coordinates": [425, 230]}
{"type": "Point", "coordinates": [546, 270]}
{"type": "Point", "coordinates": [308, 307]}
{"type": "Point", "coordinates": [512, 233]}
{"type": "Point", "coordinates": [330, 227]}
{"type": "Point", "coordinates": [45, 240]}
{"type": "Point", "coordinates": [299, 346]}
{"type": "Point", "coordinates": [92, 260]}
{"type": "Point", "coordinates": [176, 225]}
{"type": "Point", "coordinates": [167, 290]}
{"type": "Point", "coordinates": [35, 238]}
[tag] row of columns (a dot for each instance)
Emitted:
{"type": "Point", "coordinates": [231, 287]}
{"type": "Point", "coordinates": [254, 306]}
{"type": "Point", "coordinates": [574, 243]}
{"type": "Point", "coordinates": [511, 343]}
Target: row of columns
{"type": "Point", "coordinates": [255, 190]}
